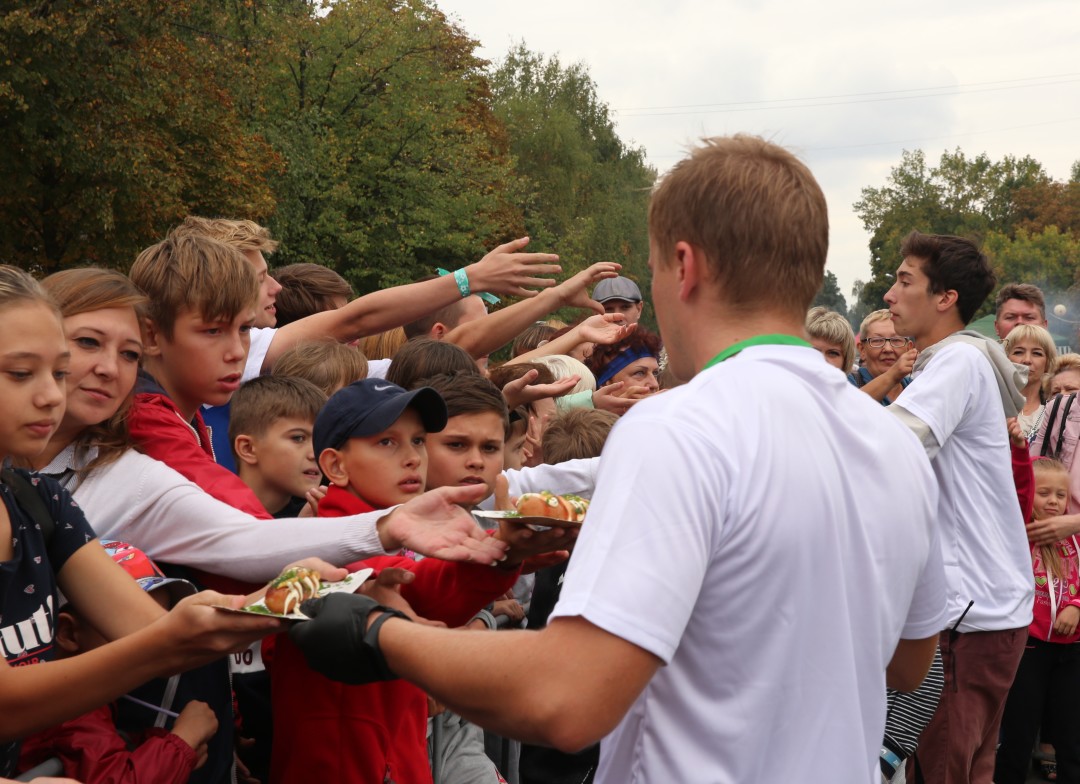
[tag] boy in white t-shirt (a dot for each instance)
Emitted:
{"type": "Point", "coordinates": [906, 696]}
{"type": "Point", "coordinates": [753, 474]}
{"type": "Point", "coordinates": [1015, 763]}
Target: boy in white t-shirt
{"type": "Point", "coordinates": [760, 558]}
{"type": "Point", "coordinates": [963, 389]}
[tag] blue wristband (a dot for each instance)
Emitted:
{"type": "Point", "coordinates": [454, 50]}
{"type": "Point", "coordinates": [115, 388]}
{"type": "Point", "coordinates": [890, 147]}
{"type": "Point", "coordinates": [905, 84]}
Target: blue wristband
{"type": "Point", "coordinates": [891, 759]}
{"type": "Point", "coordinates": [462, 281]}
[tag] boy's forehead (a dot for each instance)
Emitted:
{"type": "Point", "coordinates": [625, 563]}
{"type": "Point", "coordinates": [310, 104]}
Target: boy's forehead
{"type": "Point", "coordinates": [479, 424]}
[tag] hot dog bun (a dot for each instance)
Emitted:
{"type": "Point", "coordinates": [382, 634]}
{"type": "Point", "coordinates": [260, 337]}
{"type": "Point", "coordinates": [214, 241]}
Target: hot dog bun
{"type": "Point", "coordinates": [290, 589]}
{"type": "Point", "coordinates": [571, 508]}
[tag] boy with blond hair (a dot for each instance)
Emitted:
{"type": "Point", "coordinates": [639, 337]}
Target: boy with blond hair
{"type": "Point", "coordinates": [270, 432]}
{"type": "Point", "coordinates": [327, 364]}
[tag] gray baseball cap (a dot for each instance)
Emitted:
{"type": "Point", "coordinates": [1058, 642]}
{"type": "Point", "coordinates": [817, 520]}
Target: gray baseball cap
{"type": "Point", "coordinates": [617, 288]}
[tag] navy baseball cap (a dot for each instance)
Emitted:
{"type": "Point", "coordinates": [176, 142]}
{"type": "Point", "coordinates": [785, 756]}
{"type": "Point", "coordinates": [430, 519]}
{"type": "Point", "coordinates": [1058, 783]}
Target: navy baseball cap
{"type": "Point", "coordinates": [370, 406]}
{"type": "Point", "coordinates": [616, 288]}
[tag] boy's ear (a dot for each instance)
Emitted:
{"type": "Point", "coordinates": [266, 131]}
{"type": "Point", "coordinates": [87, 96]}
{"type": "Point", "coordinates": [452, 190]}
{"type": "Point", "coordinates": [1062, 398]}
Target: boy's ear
{"type": "Point", "coordinates": [67, 633]}
{"type": "Point", "coordinates": [438, 330]}
{"type": "Point", "coordinates": [332, 464]}
{"type": "Point", "coordinates": [151, 337]}
{"type": "Point", "coordinates": [245, 449]}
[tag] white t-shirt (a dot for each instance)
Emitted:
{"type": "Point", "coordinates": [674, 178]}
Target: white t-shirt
{"type": "Point", "coordinates": [767, 531]}
{"type": "Point", "coordinates": [984, 546]}
{"type": "Point", "coordinates": [377, 368]}
{"type": "Point", "coordinates": [261, 338]}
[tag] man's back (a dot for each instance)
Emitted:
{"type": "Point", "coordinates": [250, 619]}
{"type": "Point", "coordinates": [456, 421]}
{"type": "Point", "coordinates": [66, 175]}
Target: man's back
{"type": "Point", "coordinates": [764, 531]}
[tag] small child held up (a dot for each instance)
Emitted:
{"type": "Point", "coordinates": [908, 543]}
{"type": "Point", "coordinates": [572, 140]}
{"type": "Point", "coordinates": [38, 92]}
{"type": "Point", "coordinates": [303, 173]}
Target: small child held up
{"type": "Point", "coordinates": [91, 747]}
{"type": "Point", "coordinates": [1049, 672]}
{"type": "Point", "coordinates": [270, 426]}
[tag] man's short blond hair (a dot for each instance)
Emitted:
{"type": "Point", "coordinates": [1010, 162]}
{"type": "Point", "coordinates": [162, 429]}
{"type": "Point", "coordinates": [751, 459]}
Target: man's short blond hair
{"type": "Point", "coordinates": [244, 235]}
{"type": "Point", "coordinates": [197, 273]}
{"type": "Point", "coordinates": [830, 326]}
{"type": "Point", "coordinates": [873, 318]}
{"type": "Point", "coordinates": [756, 213]}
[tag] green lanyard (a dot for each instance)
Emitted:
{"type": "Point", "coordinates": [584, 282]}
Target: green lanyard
{"type": "Point", "coordinates": [757, 340]}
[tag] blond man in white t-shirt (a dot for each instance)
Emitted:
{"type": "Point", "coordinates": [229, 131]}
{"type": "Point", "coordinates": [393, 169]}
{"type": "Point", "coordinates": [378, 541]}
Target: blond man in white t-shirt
{"type": "Point", "coordinates": [760, 558]}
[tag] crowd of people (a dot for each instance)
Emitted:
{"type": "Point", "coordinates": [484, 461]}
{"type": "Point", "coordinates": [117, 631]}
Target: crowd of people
{"type": "Point", "coordinates": [784, 568]}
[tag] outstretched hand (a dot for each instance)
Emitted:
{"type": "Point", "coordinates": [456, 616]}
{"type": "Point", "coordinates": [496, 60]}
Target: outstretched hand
{"type": "Point", "coordinates": [434, 524]}
{"type": "Point", "coordinates": [605, 329]}
{"type": "Point", "coordinates": [506, 270]}
{"type": "Point", "coordinates": [198, 633]}
{"type": "Point", "coordinates": [573, 292]}
{"type": "Point", "coordinates": [522, 390]}
{"type": "Point", "coordinates": [617, 397]}
{"type": "Point", "coordinates": [1052, 529]}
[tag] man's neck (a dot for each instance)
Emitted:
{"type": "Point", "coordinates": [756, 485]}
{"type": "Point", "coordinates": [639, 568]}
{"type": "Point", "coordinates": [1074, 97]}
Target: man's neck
{"type": "Point", "coordinates": [941, 330]}
{"type": "Point", "coordinates": [722, 332]}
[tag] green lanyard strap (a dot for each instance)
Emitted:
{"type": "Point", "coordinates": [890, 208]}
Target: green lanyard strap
{"type": "Point", "coordinates": [757, 340]}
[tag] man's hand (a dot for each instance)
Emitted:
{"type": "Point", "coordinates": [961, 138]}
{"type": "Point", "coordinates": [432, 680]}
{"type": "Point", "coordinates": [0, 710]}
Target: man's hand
{"type": "Point", "coordinates": [525, 543]}
{"type": "Point", "coordinates": [333, 640]}
{"type": "Point", "coordinates": [522, 390]}
{"type": "Point", "coordinates": [194, 633]}
{"type": "Point", "coordinates": [505, 270]}
{"type": "Point", "coordinates": [1053, 529]}
{"type": "Point", "coordinates": [434, 524]}
{"type": "Point", "coordinates": [1065, 623]}
{"type": "Point", "coordinates": [573, 292]}
{"type": "Point", "coordinates": [196, 725]}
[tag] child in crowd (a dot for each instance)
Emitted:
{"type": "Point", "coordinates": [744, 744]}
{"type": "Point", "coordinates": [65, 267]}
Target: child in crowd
{"type": "Point", "coordinates": [327, 364]}
{"type": "Point", "coordinates": [540, 410]}
{"type": "Point", "coordinates": [307, 289]}
{"type": "Point", "coordinates": [370, 440]}
{"type": "Point", "coordinates": [515, 453]}
{"type": "Point", "coordinates": [1049, 672]}
{"type": "Point", "coordinates": [91, 747]}
{"type": "Point", "coordinates": [425, 357]}
{"type": "Point", "coordinates": [578, 433]}
{"type": "Point", "coordinates": [47, 546]}
{"type": "Point", "coordinates": [270, 432]}
{"type": "Point", "coordinates": [202, 305]}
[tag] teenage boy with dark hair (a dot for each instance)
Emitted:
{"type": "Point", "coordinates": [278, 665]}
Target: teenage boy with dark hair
{"type": "Point", "coordinates": [1018, 303]}
{"type": "Point", "coordinates": [862, 588]}
{"type": "Point", "coordinates": [963, 389]}
{"type": "Point", "coordinates": [307, 289]}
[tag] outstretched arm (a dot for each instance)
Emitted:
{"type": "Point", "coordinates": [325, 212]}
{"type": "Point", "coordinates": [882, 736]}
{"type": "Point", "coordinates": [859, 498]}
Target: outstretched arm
{"type": "Point", "coordinates": [489, 334]}
{"type": "Point", "coordinates": [604, 328]}
{"type": "Point", "coordinates": [503, 271]}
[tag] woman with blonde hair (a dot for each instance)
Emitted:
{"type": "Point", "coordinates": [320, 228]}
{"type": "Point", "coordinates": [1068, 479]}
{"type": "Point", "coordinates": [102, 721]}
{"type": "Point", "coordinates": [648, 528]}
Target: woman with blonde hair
{"type": "Point", "coordinates": [1033, 347]}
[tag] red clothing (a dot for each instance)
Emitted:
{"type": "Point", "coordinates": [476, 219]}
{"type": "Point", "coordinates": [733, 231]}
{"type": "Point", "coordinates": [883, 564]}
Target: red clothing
{"type": "Point", "coordinates": [328, 731]}
{"type": "Point", "coordinates": [94, 753]}
{"type": "Point", "coordinates": [1065, 592]}
{"type": "Point", "coordinates": [160, 430]}
{"type": "Point", "coordinates": [1024, 478]}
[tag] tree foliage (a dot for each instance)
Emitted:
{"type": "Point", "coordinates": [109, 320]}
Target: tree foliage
{"type": "Point", "coordinates": [1002, 201]}
{"type": "Point", "coordinates": [829, 295]}
{"type": "Point", "coordinates": [366, 133]}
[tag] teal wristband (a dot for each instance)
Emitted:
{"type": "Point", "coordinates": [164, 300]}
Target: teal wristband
{"type": "Point", "coordinates": [462, 281]}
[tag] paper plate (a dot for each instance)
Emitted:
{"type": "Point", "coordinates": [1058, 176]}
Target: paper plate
{"type": "Point", "coordinates": [349, 585]}
{"type": "Point", "coordinates": [535, 523]}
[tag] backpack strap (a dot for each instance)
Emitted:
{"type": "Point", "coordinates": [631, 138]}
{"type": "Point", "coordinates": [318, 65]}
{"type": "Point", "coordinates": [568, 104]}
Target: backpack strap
{"type": "Point", "coordinates": [1045, 450]}
{"type": "Point", "coordinates": [30, 501]}
{"type": "Point", "coordinates": [1060, 445]}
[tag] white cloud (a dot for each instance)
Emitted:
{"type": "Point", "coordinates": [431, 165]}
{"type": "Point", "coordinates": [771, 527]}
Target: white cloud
{"type": "Point", "coordinates": [993, 58]}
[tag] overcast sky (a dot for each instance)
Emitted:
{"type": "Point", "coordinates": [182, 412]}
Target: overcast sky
{"type": "Point", "coordinates": [847, 85]}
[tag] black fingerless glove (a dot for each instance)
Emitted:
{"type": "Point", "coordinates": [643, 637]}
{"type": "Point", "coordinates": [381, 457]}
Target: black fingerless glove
{"type": "Point", "coordinates": [336, 642]}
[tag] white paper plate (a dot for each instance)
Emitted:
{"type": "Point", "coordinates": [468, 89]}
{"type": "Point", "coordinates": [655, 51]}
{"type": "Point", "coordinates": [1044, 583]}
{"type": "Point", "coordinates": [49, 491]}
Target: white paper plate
{"type": "Point", "coordinates": [349, 585]}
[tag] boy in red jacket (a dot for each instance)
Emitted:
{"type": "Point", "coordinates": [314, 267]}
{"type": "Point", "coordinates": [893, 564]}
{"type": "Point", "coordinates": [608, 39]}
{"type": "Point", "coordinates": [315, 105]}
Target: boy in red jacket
{"type": "Point", "coordinates": [370, 439]}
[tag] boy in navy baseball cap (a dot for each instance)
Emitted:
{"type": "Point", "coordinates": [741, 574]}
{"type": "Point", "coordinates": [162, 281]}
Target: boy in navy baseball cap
{"type": "Point", "coordinates": [369, 440]}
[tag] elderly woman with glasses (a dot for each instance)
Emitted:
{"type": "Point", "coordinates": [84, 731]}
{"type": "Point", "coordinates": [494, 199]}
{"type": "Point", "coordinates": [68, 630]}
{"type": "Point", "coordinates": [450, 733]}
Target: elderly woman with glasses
{"type": "Point", "coordinates": [885, 358]}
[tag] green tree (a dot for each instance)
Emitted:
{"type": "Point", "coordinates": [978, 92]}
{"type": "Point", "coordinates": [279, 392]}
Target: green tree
{"type": "Point", "coordinates": [829, 295]}
{"type": "Point", "coordinates": [961, 196]}
{"type": "Point", "coordinates": [583, 191]}
{"type": "Point", "coordinates": [116, 121]}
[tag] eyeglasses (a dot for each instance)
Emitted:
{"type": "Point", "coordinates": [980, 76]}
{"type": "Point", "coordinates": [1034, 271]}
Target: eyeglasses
{"type": "Point", "coordinates": [896, 342]}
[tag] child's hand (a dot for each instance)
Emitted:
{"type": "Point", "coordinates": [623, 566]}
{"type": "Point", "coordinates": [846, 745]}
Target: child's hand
{"type": "Point", "coordinates": [1066, 621]}
{"type": "Point", "coordinates": [616, 398]}
{"type": "Point", "coordinates": [511, 608]}
{"type": "Point", "coordinates": [1016, 435]}
{"type": "Point", "coordinates": [313, 496]}
{"type": "Point", "coordinates": [196, 725]}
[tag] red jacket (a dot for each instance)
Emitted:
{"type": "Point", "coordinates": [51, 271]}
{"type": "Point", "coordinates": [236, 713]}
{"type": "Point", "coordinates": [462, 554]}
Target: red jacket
{"type": "Point", "coordinates": [328, 731]}
{"type": "Point", "coordinates": [94, 753]}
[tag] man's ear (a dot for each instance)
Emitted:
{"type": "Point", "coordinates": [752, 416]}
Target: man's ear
{"type": "Point", "coordinates": [438, 330]}
{"type": "Point", "coordinates": [245, 449]}
{"type": "Point", "coordinates": [332, 464]}
{"type": "Point", "coordinates": [690, 268]}
{"type": "Point", "coordinates": [946, 300]}
{"type": "Point", "coordinates": [151, 337]}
